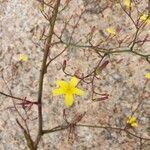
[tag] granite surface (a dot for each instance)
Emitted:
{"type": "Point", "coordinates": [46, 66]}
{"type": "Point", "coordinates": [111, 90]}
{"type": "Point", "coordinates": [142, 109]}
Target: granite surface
{"type": "Point", "coordinates": [21, 26]}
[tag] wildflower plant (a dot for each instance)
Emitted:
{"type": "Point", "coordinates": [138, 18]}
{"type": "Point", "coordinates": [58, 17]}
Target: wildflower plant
{"type": "Point", "coordinates": [67, 33]}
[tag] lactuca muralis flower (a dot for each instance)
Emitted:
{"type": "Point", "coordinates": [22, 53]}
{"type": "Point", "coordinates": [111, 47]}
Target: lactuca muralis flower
{"type": "Point", "coordinates": [128, 3]}
{"type": "Point", "coordinates": [111, 31]}
{"type": "Point", "coordinates": [23, 58]}
{"type": "Point", "coordinates": [147, 75]}
{"type": "Point", "coordinates": [68, 89]}
{"type": "Point", "coordinates": [132, 121]}
{"type": "Point", "coordinates": [145, 18]}
{"type": "Point", "coordinates": [41, 7]}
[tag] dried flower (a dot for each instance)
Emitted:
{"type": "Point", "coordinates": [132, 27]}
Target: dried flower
{"type": "Point", "coordinates": [132, 121]}
{"type": "Point", "coordinates": [68, 89]}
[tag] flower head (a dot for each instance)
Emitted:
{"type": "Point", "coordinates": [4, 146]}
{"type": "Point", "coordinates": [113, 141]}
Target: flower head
{"type": "Point", "coordinates": [145, 17]}
{"type": "Point", "coordinates": [41, 7]}
{"type": "Point", "coordinates": [128, 3]}
{"type": "Point", "coordinates": [68, 89]}
{"type": "Point", "coordinates": [111, 31]}
{"type": "Point", "coordinates": [132, 121]}
{"type": "Point", "coordinates": [23, 58]}
{"type": "Point", "coordinates": [147, 75]}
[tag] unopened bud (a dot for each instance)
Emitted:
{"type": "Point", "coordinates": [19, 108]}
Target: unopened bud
{"type": "Point", "coordinates": [64, 65]}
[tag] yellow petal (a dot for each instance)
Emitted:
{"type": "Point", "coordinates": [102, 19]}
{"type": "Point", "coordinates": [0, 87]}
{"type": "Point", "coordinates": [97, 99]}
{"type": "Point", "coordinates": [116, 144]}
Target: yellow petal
{"type": "Point", "coordinates": [132, 119]}
{"type": "Point", "coordinates": [134, 124]}
{"type": "Point", "coordinates": [147, 75]}
{"type": "Point", "coordinates": [41, 7]}
{"type": "Point", "coordinates": [127, 3]}
{"type": "Point", "coordinates": [145, 18]}
{"type": "Point", "coordinates": [69, 100]}
{"type": "Point", "coordinates": [74, 81]}
{"type": "Point", "coordinates": [128, 121]}
{"type": "Point", "coordinates": [78, 91]}
{"type": "Point", "coordinates": [111, 31]}
{"type": "Point", "coordinates": [59, 91]}
{"type": "Point", "coordinates": [62, 84]}
{"type": "Point", "coordinates": [23, 58]}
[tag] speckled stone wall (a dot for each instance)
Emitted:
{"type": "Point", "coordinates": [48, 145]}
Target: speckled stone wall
{"type": "Point", "coordinates": [123, 79]}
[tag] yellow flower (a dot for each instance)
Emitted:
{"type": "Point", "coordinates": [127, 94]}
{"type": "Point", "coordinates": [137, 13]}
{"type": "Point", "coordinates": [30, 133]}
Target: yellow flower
{"type": "Point", "coordinates": [145, 17]}
{"type": "Point", "coordinates": [68, 89]}
{"type": "Point", "coordinates": [128, 3]}
{"type": "Point", "coordinates": [111, 31]}
{"type": "Point", "coordinates": [147, 75]}
{"type": "Point", "coordinates": [41, 7]}
{"type": "Point", "coordinates": [23, 58]}
{"type": "Point", "coordinates": [132, 121]}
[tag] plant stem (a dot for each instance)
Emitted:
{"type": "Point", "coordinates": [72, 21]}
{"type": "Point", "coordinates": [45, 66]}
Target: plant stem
{"type": "Point", "coordinates": [43, 70]}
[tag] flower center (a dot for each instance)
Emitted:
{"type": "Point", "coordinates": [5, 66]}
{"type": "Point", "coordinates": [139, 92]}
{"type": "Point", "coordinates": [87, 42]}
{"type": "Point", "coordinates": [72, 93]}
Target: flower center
{"type": "Point", "coordinates": [69, 89]}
